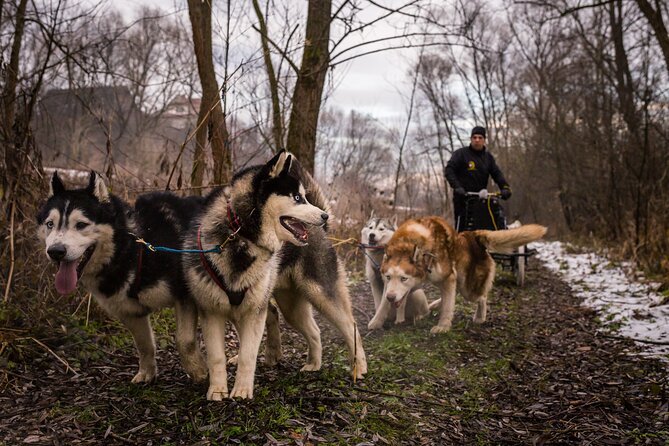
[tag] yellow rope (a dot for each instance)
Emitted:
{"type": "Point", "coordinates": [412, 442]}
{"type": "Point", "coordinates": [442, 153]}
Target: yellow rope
{"type": "Point", "coordinates": [494, 223]}
{"type": "Point", "coordinates": [339, 241]}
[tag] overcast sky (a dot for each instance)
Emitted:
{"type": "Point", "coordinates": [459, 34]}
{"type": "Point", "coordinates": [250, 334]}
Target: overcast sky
{"type": "Point", "coordinates": [376, 84]}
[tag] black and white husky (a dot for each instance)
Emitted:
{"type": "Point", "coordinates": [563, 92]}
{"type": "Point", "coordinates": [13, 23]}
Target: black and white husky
{"type": "Point", "coordinates": [91, 236]}
{"type": "Point", "coordinates": [375, 235]}
{"type": "Point", "coordinates": [265, 206]}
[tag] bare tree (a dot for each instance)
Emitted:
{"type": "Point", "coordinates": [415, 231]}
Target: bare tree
{"type": "Point", "coordinates": [211, 119]}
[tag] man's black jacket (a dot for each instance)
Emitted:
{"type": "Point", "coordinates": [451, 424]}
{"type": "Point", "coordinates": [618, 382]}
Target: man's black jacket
{"type": "Point", "coordinates": [470, 169]}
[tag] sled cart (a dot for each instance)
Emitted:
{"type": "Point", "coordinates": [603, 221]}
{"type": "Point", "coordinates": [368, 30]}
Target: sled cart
{"type": "Point", "coordinates": [483, 211]}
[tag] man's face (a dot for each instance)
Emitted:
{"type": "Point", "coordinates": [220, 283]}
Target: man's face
{"type": "Point", "coordinates": [478, 142]}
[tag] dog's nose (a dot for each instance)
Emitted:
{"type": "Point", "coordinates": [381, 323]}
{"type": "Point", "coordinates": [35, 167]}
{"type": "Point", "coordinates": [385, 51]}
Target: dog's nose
{"type": "Point", "coordinates": [57, 252]}
{"type": "Point", "coordinates": [372, 238]}
{"type": "Point", "coordinates": [324, 216]}
{"type": "Point", "coordinates": [391, 298]}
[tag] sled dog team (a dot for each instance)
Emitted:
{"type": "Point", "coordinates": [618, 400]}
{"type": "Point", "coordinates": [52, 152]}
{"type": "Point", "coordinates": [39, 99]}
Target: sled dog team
{"type": "Point", "coordinates": [264, 236]}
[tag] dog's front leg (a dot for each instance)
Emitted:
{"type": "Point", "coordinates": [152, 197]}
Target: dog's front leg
{"type": "Point", "coordinates": [273, 352]}
{"type": "Point", "coordinates": [376, 283]}
{"type": "Point", "coordinates": [140, 328]}
{"type": "Point", "coordinates": [481, 310]}
{"type": "Point", "coordinates": [213, 331]}
{"type": "Point", "coordinates": [249, 329]}
{"type": "Point", "coordinates": [381, 315]}
{"type": "Point", "coordinates": [447, 304]}
{"type": "Point", "coordinates": [400, 315]}
{"type": "Point", "coordinates": [186, 339]}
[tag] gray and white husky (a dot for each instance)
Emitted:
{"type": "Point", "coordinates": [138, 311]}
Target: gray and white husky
{"type": "Point", "coordinates": [266, 207]}
{"type": "Point", "coordinates": [375, 235]}
{"type": "Point", "coordinates": [91, 235]}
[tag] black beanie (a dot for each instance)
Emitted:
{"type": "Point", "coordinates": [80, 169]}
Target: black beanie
{"type": "Point", "coordinates": [478, 131]}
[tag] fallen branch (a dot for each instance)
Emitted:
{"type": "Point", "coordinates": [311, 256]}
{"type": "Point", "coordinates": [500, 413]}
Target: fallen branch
{"type": "Point", "coordinates": [643, 341]}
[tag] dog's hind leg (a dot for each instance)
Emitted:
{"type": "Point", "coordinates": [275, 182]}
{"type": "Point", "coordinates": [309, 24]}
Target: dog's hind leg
{"type": "Point", "coordinates": [298, 314]}
{"type": "Point", "coordinates": [273, 353]}
{"type": "Point", "coordinates": [338, 311]}
{"type": "Point", "coordinates": [417, 301]}
{"type": "Point", "coordinates": [140, 328]}
{"type": "Point", "coordinates": [186, 339]}
{"type": "Point", "coordinates": [213, 331]}
{"type": "Point", "coordinates": [448, 288]}
{"type": "Point", "coordinates": [250, 327]}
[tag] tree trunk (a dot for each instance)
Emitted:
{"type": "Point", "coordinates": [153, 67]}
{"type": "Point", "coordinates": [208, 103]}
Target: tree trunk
{"type": "Point", "coordinates": [656, 22]}
{"type": "Point", "coordinates": [211, 119]}
{"type": "Point", "coordinates": [277, 118]}
{"type": "Point", "coordinates": [8, 140]}
{"type": "Point", "coordinates": [310, 82]}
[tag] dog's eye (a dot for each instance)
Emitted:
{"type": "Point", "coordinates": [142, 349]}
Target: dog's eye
{"type": "Point", "coordinates": [49, 224]}
{"type": "Point", "coordinates": [298, 198]}
{"type": "Point", "coordinates": [80, 225]}
{"type": "Point", "coordinates": [387, 277]}
{"type": "Point", "coordinates": [404, 279]}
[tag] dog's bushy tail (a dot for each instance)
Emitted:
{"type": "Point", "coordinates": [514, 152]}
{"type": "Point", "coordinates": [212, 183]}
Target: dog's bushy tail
{"type": "Point", "coordinates": [507, 239]}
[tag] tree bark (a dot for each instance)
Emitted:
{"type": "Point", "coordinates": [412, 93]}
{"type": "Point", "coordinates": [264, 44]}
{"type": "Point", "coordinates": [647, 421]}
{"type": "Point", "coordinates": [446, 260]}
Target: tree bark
{"type": "Point", "coordinates": [211, 119]}
{"type": "Point", "coordinates": [306, 102]}
{"type": "Point", "coordinates": [277, 118]}
{"type": "Point", "coordinates": [654, 17]}
{"type": "Point", "coordinates": [10, 157]}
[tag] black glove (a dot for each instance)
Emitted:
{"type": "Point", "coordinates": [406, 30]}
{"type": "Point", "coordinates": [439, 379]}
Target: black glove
{"type": "Point", "coordinates": [505, 193]}
{"type": "Point", "coordinates": [460, 191]}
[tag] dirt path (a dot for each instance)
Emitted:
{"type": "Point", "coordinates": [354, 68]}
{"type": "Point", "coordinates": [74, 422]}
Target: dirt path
{"type": "Point", "coordinates": [535, 373]}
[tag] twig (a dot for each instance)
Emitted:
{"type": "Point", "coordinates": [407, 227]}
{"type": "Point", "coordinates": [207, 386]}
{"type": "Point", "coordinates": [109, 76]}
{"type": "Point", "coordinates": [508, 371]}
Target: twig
{"type": "Point", "coordinates": [11, 251]}
{"type": "Point", "coordinates": [62, 361]}
{"type": "Point", "coordinates": [624, 338]}
{"type": "Point", "coordinates": [88, 308]}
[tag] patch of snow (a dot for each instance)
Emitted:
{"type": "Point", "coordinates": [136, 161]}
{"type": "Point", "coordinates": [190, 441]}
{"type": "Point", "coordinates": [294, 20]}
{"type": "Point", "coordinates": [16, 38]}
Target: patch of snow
{"type": "Point", "coordinates": [625, 306]}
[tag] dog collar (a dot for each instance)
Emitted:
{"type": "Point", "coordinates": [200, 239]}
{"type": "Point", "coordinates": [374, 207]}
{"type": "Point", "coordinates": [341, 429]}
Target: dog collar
{"type": "Point", "coordinates": [235, 297]}
{"type": "Point", "coordinates": [233, 219]}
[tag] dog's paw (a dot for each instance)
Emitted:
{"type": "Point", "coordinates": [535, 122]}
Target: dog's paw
{"type": "Point", "coordinates": [244, 392]}
{"type": "Point", "coordinates": [440, 329]}
{"type": "Point", "coordinates": [144, 376]}
{"type": "Point", "coordinates": [375, 324]}
{"type": "Point", "coordinates": [197, 370]}
{"type": "Point", "coordinates": [311, 367]}
{"type": "Point", "coordinates": [478, 320]}
{"type": "Point", "coordinates": [272, 358]}
{"type": "Point", "coordinates": [217, 393]}
{"type": "Point", "coordinates": [360, 369]}
{"type": "Point", "coordinates": [399, 321]}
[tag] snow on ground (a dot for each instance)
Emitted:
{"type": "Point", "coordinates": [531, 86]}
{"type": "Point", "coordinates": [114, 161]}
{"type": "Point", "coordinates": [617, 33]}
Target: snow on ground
{"type": "Point", "coordinates": [626, 306]}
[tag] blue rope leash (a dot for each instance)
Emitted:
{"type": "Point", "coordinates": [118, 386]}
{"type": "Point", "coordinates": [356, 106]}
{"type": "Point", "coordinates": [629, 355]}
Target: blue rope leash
{"type": "Point", "coordinates": [216, 249]}
{"type": "Point", "coordinates": [364, 248]}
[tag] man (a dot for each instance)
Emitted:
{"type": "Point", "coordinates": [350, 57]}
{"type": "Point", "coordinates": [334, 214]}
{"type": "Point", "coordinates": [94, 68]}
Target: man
{"type": "Point", "coordinates": [468, 171]}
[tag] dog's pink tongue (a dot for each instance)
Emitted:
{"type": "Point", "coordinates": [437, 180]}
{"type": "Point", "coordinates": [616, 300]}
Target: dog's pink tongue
{"type": "Point", "coordinates": [66, 277]}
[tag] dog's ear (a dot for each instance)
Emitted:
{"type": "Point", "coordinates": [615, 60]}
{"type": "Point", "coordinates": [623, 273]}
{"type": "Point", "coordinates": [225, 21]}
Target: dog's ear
{"type": "Point", "coordinates": [278, 165]}
{"type": "Point", "coordinates": [56, 186]}
{"type": "Point", "coordinates": [393, 222]}
{"type": "Point", "coordinates": [98, 188]}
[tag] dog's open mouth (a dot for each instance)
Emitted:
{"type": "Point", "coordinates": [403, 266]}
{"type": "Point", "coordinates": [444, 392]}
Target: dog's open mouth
{"type": "Point", "coordinates": [296, 227]}
{"type": "Point", "coordinates": [69, 271]}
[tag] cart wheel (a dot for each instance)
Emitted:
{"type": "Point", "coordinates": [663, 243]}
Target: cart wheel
{"type": "Point", "coordinates": [519, 269]}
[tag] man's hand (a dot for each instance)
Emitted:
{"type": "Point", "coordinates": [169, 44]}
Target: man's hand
{"type": "Point", "coordinates": [460, 191]}
{"type": "Point", "coordinates": [505, 193]}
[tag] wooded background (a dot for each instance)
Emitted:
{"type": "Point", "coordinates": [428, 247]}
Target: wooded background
{"type": "Point", "coordinates": [575, 97]}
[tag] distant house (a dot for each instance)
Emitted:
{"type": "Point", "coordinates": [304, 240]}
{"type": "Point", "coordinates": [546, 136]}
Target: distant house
{"type": "Point", "coordinates": [181, 112]}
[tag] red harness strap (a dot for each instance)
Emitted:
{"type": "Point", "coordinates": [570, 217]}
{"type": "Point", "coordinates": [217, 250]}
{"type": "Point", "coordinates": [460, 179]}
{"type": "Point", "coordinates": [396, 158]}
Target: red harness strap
{"type": "Point", "coordinates": [235, 297]}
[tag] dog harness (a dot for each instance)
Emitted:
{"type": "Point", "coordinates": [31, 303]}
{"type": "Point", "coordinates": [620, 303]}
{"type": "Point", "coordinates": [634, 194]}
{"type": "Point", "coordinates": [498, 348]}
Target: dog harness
{"type": "Point", "coordinates": [235, 297]}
